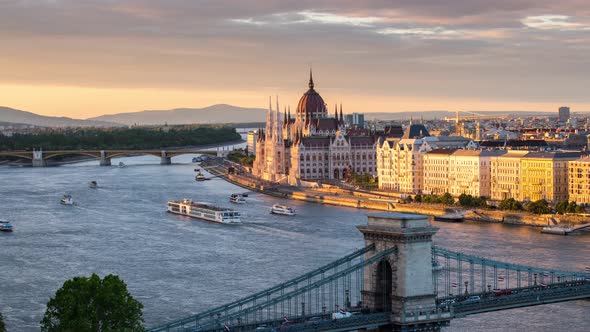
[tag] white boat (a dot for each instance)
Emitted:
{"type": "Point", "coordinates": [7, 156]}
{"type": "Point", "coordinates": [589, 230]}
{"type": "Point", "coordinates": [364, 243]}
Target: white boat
{"type": "Point", "coordinates": [121, 164]}
{"type": "Point", "coordinates": [282, 209]}
{"type": "Point", "coordinates": [205, 211]}
{"type": "Point", "coordinates": [67, 200]}
{"type": "Point", "coordinates": [93, 184]}
{"type": "Point", "coordinates": [5, 226]}
{"type": "Point", "coordinates": [197, 159]}
{"type": "Point", "coordinates": [200, 176]}
{"type": "Point", "coordinates": [237, 198]}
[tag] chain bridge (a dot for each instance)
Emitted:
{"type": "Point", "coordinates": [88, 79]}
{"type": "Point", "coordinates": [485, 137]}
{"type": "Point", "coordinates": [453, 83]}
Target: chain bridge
{"type": "Point", "coordinates": [398, 282]}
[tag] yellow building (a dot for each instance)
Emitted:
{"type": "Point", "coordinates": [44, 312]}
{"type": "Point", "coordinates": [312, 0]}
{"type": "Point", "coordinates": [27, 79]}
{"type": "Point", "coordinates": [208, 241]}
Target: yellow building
{"type": "Point", "coordinates": [544, 175]}
{"type": "Point", "coordinates": [579, 180]}
{"type": "Point", "coordinates": [505, 175]}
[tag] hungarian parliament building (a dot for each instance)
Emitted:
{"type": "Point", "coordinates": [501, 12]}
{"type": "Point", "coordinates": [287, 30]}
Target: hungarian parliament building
{"type": "Point", "coordinates": [311, 145]}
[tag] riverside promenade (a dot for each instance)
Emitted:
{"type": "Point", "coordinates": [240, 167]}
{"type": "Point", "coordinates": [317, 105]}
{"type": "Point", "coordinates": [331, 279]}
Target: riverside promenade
{"type": "Point", "coordinates": [376, 200]}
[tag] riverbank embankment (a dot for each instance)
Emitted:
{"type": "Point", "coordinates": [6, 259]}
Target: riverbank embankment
{"type": "Point", "coordinates": [381, 201]}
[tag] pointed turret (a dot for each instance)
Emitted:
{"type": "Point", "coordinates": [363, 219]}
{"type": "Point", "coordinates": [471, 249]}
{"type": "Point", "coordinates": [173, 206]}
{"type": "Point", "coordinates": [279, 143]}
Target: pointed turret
{"type": "Point", "coordinates": [310, 80]}
{"type": "Point", "coordinates": [341, 117]}
{"type": "Point", "coordinates": [285, 117]}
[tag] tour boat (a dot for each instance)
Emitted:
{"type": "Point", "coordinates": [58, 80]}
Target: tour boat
{"type": "Point", "coordinates": [67, 200]}
{"type": "Point", "coordinates": [5, 226]}
{"type": "Point", "coordinates": [200, 176]}
{"type": "Point", "coordinates": [237, 198]}
{"type": "Point", "coordinates": [282, 209]}
{"type": "Point", "coordinates": [197, 159]}
{"type": "Point", "coordinates": [93, 184]}
{"type": "Point", "coordinates": [204, 211]}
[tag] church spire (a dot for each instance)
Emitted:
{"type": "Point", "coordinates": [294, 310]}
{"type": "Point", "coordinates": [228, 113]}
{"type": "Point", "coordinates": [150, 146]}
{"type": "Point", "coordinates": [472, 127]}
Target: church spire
{"type": "Point", "coordinates": [341, 117]}
{"type": "Point", "coordinates": [310, 79]}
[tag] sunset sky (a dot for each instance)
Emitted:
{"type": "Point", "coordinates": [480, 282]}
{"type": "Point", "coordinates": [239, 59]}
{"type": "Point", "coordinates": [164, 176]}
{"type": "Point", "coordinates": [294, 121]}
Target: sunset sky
{"type": "Point", "coordinates": [83, 58]}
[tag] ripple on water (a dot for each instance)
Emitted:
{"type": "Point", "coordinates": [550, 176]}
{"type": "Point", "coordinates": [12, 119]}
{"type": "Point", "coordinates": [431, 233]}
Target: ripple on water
{"type": "Point", "coordinates": [179, 266]}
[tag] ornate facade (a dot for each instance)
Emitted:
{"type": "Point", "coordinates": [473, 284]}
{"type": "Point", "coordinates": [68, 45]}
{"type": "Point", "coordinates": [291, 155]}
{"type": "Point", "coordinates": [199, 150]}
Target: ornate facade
{"type": "Point", "coordinates": [311, 145]}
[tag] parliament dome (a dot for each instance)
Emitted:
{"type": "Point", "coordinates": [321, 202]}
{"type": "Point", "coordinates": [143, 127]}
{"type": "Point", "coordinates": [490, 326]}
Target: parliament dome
{"type": "Point", "coordinates": [311, 102]}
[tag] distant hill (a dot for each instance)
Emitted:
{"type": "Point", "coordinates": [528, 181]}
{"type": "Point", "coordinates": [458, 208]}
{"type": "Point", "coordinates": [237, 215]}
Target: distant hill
{"type": "Point", "coordinates": [12, 115]}
{"type": "Point", "coordinates": [220, 113]}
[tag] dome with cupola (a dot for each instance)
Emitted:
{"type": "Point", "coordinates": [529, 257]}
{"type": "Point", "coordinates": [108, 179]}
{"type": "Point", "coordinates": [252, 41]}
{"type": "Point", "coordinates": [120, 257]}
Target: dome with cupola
{"type": "Point", "coordinates": [311, 103]}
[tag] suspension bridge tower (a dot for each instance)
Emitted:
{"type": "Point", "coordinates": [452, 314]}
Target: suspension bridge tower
{"type": "Point", "coordinates": [402, 283]}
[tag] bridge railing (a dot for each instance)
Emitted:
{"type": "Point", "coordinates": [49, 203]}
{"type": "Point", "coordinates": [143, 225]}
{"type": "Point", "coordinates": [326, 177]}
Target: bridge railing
{"type": "Point", "coordinates": [335, 290]}
{"type": "Point", "coordinates": [460, 273]}
{"type": "Point", "coordinates": [287, 297]}
{"type": "Point", "coordinates": [525, 297]}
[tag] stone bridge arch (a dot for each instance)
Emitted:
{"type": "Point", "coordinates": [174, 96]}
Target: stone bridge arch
{"type": "Point", "coordinates": [402, 283]}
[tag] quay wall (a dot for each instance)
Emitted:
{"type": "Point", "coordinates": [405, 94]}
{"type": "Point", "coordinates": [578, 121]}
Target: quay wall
{"type": "Point", "coordinates": [363, 200]}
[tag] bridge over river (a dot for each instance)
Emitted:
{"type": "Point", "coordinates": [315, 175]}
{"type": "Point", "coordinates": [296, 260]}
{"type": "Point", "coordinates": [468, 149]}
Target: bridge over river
{"type": "Point", "coordinates": [39, 158]}
{"type": "Point", "coordinates": [399, 281]}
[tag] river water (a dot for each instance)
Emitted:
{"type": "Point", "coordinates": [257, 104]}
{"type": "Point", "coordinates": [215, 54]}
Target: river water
{"type": "Point", "coordinates": [177, 266]}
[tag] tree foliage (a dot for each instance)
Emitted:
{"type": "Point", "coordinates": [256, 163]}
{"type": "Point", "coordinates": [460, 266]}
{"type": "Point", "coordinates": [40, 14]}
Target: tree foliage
{"type": "Point", "coordinates": [119, 138]}
{"type": "Point", "coordinates": [241, 157]}
{"type": "Point", "coordinates": [91, 304]}
{"type": "Point", "coordinates": [447, 199]}
{"type": "Point", "coordinates": [539, 207]}
{"type": "Point", "coordinates": [568, 207]}
{"type": "Point", "coordinates": [510, 204]}
{"type": "Point", "coordinates": [470, 201]}
{"type": "Point", "coordinates": [2, 326]}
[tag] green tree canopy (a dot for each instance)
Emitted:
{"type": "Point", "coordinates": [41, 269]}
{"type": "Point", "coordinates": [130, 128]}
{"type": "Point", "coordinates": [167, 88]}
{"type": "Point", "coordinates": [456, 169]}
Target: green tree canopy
{"type": "Point", "coordinates": [539, 207]}
{"type": "Point", "coordinates": [510, 204]}
{"type": "Point", "coordinates": [470, 201]}
{"type": "Point", "coordinates": [2, 326]}
{"type": "Point", "coordinates": [91, 304]}
{"type": "Point", "coordinates": [447, 199]}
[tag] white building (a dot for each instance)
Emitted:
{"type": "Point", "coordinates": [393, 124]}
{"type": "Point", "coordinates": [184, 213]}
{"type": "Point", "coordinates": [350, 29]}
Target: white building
{"type": "Point", "coordinates": [251, 141]}
{"type": "Point", "coordinates": [506, 175]}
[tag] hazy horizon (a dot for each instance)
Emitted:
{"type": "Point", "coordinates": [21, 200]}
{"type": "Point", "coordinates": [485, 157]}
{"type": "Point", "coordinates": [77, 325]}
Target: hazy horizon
{"type": "Point", "coordinates": [91, 58]}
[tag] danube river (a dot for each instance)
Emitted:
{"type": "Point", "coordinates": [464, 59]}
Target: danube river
{"type": "Point", "coordinates": [177, 266]}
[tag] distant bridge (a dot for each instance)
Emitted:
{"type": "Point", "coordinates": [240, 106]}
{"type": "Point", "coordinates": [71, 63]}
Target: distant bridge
{"type": "Point", "coordinates": [398, 282]}
{"type": "Point", "coordinates": [39, 157]}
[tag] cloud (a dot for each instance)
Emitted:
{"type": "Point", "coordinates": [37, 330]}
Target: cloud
{"type": "Point", "coordinates": [554, 22]}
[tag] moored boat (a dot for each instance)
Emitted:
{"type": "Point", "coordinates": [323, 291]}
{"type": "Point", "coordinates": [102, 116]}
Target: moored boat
{"type": "Point", "coordinates": [67, 200]}
{"type": "Point", "coordinates": [282, 209]}
{"type": "Point", "coordinates": [204, 211]}
{"type": "Point", "coordinates": [5, 226]}
{"type": "Point", "coordinates": [450, 217]}
{"type": "Point", "coordinates": [237, 198]}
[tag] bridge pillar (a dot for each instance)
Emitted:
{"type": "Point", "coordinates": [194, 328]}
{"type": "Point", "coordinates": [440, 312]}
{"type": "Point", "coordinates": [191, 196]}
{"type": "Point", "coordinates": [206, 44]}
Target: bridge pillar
{"type": "Point", "coordinates": [104, 160]}
{"type": "Point", "coordinates": [402, 283]}
{"type": "Point", "coordinates": [164, 159]}
{"type": "Point", "coordinates": [38, 160]}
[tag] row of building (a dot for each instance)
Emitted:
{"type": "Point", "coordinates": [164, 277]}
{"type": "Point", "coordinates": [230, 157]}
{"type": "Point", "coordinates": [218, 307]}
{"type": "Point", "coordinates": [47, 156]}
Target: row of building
{"type": "Point", "coordinates": [415, 167]}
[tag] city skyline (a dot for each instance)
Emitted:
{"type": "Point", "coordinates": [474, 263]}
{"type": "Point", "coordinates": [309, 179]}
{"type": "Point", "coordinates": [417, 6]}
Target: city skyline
{"type": "Point", "coordinates": [65, 58]}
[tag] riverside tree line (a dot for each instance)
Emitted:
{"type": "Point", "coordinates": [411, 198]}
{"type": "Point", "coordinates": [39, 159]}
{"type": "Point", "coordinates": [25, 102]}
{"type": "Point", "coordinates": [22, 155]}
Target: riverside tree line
{"type": "Point", "coordinates": [136, 138]}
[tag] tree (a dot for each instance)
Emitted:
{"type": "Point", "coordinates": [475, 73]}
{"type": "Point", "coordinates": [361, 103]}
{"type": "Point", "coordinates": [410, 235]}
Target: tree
{"type": "Point", "coordinates": [561, 207]}
{"type": "Point", "coordinates": [447, 199]}
{"type": "Point", "coordinates": [91, 304]}
{"type": "Point", "coordinates": [418, 198]}
{"type": "Point", "coordinates": [2, 326]}
{"type": "Point", "coordinates": [539, 207]}
{"type": "Point", "coordinates": [510, 204]}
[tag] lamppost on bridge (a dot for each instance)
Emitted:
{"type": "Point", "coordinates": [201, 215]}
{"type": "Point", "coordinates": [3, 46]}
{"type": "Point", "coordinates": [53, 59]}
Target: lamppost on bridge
{"type": "Point", "coordinates": [466, 292]}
